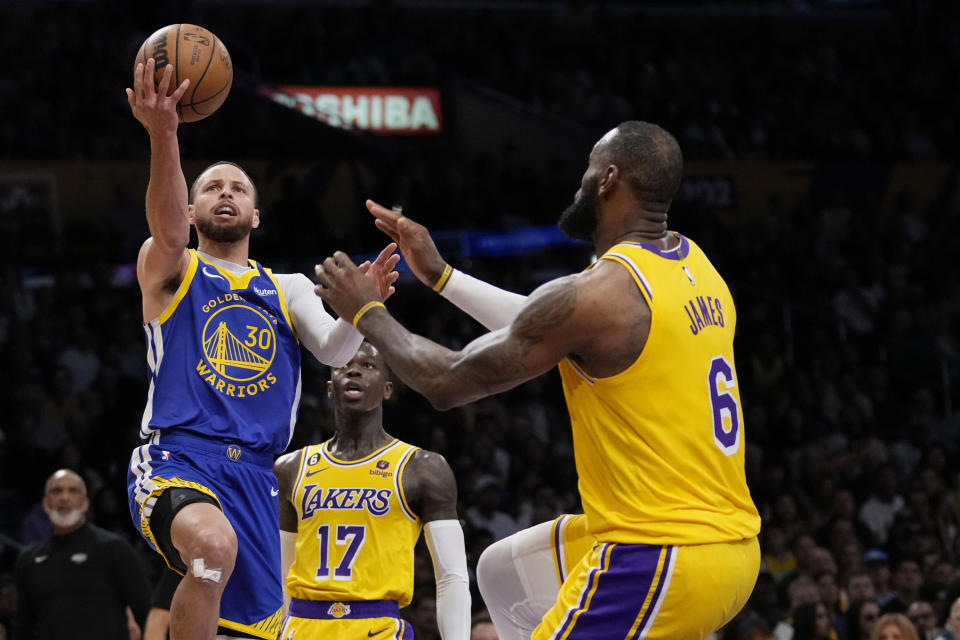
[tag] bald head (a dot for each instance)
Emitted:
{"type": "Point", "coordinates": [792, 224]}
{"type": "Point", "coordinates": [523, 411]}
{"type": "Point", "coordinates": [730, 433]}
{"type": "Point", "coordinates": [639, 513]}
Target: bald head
{"type": "Point", "coordinates": [65, 477]}
{"type": "Point", "coordinates": [65, 501]}
{"type": "Point", "coordinates": [649, 158]}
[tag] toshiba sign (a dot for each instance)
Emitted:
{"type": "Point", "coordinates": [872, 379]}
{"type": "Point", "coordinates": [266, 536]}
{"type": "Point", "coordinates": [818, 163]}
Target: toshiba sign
{"type": "Point", "coordinates": [388, 110]}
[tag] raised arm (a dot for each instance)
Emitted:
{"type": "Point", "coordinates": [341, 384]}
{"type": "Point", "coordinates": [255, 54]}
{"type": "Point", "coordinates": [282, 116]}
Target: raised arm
{"type": "Point", "coordinates": [429, 485]}
{"type": "Point", "coordinates": [163, 256]}
{"type": "Point", "coordinates": [592, 316]}
{"type": "Point", "coordinates": [489, 305]}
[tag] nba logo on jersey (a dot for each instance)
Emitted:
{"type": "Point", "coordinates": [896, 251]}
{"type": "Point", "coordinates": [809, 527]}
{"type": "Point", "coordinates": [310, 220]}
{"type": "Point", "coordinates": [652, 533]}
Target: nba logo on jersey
{"type": "Point", "coordinates": [338, 610]}
{"type": "Point", "coordinates": [166, 454]}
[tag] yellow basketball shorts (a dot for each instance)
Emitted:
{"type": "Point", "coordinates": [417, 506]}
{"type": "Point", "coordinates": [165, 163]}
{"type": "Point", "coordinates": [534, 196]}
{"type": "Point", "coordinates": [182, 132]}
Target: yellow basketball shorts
{"type": "Point", "coordinates": [571, 542]}
{"type": "Point", "coordinates": [634, 591]}
{"type": "Point", "coordinates": [327, 620]}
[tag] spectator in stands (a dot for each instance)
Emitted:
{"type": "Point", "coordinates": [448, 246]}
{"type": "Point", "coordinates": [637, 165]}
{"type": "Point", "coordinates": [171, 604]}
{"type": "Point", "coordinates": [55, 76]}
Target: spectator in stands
{"type": "Point", "coordinates": [923, 617]}
{"type": "Point", "coordinates": [812, 622]}
{"type": "Point", "coordinates": [894, 626]}
{"type": "Point", "coordinates": [951, 629]}
{"type": "Point", "coordinates": [879, 510]}
{"type": "Point", "coordinates": [861, 618]}
{"type": "Point", "coordinates": [859, 586]}
{"type": "Point", "coordinates": [802, 590]}
{"type": "Point", "coordinates": [778, 559]}
{"type": "Point", "coordinates": [906, 583]}
{"type": "Point", "coordinates": [877, 563]}
{"type": "Point", "coordinates": [81, 581]}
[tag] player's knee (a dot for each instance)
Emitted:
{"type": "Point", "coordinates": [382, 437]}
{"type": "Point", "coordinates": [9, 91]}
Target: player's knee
{"type": "Point", "coordinates": [492, 563]}
{"type": "Point", "coordinates": [212, 556]}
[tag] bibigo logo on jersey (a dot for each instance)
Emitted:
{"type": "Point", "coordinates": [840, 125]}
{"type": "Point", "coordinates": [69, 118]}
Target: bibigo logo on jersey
{"type": "Point", "coordinates": [239, 345]}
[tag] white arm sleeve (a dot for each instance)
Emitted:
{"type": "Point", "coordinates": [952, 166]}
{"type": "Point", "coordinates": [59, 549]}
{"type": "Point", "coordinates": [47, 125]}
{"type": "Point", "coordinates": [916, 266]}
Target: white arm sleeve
{"type": "Point", "coordinates": [445, 542]}
{"type": "Point", "coordinates": [333, 342]}
{"type": "Point", "coordinates": [288, 552]}
{"type": "Point", "coordinates": [491, 306]}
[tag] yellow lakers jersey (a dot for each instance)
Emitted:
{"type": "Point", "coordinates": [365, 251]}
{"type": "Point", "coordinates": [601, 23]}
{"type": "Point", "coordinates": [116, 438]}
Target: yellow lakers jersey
{"type": "Point", "coordinates": [659, 447]}
{"type": "Point", "coordinates": [355, 532]}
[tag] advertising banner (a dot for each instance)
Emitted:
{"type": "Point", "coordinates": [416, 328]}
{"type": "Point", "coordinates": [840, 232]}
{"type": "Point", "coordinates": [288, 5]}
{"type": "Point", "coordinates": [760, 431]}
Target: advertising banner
{"type": "Point", "coordinates": [382, 110]}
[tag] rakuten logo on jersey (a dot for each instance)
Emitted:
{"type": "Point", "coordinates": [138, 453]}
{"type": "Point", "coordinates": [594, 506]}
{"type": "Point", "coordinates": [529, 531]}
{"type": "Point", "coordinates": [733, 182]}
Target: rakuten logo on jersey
{"type": "Point", "coordinates": [388, 110]}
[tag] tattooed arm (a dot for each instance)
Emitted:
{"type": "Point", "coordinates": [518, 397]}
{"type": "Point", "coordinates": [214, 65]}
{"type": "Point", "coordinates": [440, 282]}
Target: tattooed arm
{"type": "Point", "coordinates": [431, 490]}
{"type": "Point", "coordinates": [596, 317]}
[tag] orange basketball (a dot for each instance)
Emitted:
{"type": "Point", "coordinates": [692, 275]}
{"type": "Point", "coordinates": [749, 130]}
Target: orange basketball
{"type": "Point", "coordinates": [197, 54]}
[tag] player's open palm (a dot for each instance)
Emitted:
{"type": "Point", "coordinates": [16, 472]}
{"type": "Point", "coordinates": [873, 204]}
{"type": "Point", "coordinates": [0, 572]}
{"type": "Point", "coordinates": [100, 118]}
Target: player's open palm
{"type": "Point", "coordinates": [414, 240]}
{"type": "Point", "coordinates": [151, 105]}
{"type": "Point", "coordinates": [383, 270]}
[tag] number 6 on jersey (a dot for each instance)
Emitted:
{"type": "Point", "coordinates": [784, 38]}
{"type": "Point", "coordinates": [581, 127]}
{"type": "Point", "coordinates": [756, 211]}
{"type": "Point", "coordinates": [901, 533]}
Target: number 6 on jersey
{"type": "Point", "coordinates": [724, 406]}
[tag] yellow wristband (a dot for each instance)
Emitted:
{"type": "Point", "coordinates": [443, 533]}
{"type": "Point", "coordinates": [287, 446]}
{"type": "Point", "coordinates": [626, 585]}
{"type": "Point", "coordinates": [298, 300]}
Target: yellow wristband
{"type": "Point", "coordinates": [447, 270]}
{"type": "Point", "coordinates": [365, 308]}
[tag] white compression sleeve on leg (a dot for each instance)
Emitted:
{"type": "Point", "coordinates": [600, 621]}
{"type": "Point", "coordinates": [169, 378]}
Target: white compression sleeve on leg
{"type": "Point", "coordinates": [518, 581]}
{"type": "Point", "coordinates": [445, 542]}
{"type": "Point", "coordinates": [491, 306]}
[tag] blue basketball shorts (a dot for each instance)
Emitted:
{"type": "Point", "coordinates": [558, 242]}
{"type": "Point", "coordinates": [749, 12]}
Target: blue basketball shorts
{"type": "Point", "coordinates": [243, 484]}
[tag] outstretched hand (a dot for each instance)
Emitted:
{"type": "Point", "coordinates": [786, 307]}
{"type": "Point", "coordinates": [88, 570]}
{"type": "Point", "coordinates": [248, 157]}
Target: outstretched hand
{"type": "Point", "coordinates": [383, 270]}
{"type": "Point", "coordinates": [151, 105]}
{"type": "Point", "coordinates": [343, 286]}
{"type": "Point", "coordinates": [414, 240]}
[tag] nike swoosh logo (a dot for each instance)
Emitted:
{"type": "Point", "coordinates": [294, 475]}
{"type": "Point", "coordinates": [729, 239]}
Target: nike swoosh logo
{"type": "Point", "coordinates": [213, 275]}
{"type": "Point", "coordinates": [310, 473]}
{"type": "Point", "coordinates": [274, 492]}
{"type": "Point", "coordinates": [370, 634]}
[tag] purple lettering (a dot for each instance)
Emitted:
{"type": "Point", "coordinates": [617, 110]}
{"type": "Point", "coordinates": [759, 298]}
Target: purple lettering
{"type": "Point", "coordinates": [365, 495]}
{"type": "Point", "coordinates": [705, 311]}
{"type": "Point", "coordinates": [309, 503]}
{"type": "Point", "coordinates": [330, 500]}
{"type": "Point", "coordinates": [693, 324]}
{"type": "Point", "coordinates": [696, 316]}
{"type": "Point", "coordinates": [381, 505]}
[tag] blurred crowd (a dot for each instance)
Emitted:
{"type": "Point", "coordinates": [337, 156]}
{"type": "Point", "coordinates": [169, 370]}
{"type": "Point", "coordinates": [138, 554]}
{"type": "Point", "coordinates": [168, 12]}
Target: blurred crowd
{"type": "Point", "coordinates": [740, 84]}
{"type": "Point", "coordinates": [847, 356]}
{"type": "Point", "coordinates": [848, 310]}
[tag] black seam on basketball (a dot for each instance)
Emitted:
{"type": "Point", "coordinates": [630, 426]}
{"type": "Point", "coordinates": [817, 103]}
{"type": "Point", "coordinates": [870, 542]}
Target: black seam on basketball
{"type": "Point", "coordinates": [213, 50]}
{"type": "Point", "coordinates": [176, 67]}
{"type": "Point", "coordinates": [211, 97]}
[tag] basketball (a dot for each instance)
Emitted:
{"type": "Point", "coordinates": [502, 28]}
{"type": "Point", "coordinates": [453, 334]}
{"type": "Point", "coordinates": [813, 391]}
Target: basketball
{"type": "Point", "coordinates": [197, 54]}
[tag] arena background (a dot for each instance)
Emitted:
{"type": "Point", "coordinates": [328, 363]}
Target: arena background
{"type": "Point", "coordinates": [821, 144]}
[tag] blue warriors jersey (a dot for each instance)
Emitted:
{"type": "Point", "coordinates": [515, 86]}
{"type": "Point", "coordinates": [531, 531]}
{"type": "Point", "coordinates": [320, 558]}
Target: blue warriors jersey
{"type": "Point", "coordinates": [224, 360]}
{"type": "Point", "coordinates": [659, 446]}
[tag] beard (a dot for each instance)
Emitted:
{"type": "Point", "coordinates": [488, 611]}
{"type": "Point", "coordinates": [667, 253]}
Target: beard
{"type": "Point", "coordinates": [579, 220]}
{"type": "Point", "coordinates": [225, 234]}
{"type": "Point", "coordinates": [65, 519]}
